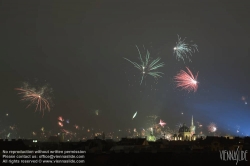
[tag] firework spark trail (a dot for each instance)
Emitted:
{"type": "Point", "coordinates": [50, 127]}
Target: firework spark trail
{"type": "Point", "coordinates": [153, 117]}
{"type": "Point", "coordinates": [66, 131]}
{"type": "Point", "coordinates": [187, 81]}
{"type": "Point", "coordinates": [35, 97]}
{"type": "Point", "coordinates": [184, 50]}
{"type": "Point", "coordinates": [134, 115]}
{"type": "Point", "coordinates": [148, 67]}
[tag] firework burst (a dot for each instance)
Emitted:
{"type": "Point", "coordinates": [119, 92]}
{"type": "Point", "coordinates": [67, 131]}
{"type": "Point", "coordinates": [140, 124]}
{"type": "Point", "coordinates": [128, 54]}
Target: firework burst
{"type": "Point", "coordinates": [60, 121]}
{"type": "Point", "coordinates": [171, 131]}
{"type": "Point", "coordinates": [199, 125]}
{"type": "Point", "coordinates": [244, 98]}
{"type": "Point", "coordinates": [178, 126]}
{"type": "Point", "coordinates": [162, 123]}
{"type": "Point", "coordinates": [60, 118]}
{"type": "Point", "coordinates": [13, 127]}
{"type": "Point", "coordinates": [76, 127]}
{"type": "Point", "coordinates": [60, 124]}
{"type": "Point", "coordinates": [148, 66]}
{"type": "Point", "coordinates": [97, 112]}
{"type": "Point", "coordinates": [184, 50]}
{"type": "Point", "coordinates": [38, 97]}
{"type": "Point", "coordinates": [152, 121]}
{"type": "Point", "coordinates": [186, 80]}
{"type": "Point", "coordinates": [212, 127]}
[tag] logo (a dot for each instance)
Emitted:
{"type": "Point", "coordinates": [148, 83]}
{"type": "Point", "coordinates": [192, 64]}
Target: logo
{"type": "Point", "coordinates": [237, 155]}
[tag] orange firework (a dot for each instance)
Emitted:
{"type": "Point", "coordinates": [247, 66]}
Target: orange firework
{"type": "Point", "coordinates": [35, 97]}
{"type": "Point", "coordinates": [187, 81]}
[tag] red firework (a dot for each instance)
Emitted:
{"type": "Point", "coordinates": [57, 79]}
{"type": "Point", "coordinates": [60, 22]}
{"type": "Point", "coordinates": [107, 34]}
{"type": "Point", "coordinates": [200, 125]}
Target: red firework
{"type": "Point", "coordinates": [187, 81]}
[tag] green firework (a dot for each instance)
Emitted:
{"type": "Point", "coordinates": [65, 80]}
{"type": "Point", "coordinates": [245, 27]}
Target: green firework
{"type": "Point", "coordinates": [148, 66]}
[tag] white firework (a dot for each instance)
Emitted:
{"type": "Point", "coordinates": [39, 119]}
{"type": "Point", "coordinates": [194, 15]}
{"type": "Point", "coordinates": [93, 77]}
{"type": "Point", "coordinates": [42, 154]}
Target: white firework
{"type": "Point", "coordinates": [184, 50]}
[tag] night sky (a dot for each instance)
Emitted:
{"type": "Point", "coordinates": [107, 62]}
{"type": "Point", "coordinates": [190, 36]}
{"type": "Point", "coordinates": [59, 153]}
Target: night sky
{"type": "Point", "coordinates": [77, 47]}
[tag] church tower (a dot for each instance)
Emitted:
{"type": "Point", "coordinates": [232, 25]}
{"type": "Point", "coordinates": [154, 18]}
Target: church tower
{"type": "Point", "coordinates": [192, 127]}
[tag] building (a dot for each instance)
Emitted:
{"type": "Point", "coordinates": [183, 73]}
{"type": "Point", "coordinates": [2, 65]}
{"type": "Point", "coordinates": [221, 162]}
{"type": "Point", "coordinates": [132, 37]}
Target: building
{"type": "Point", "coordinates": [54, 138]}
{"type": "Point", "coordinates": [221, 143]}
{"type": "Point", "coordinates": [186, 133]}
{"type": "Point", "coordinates": [130, 144]}
{"type": "Point", "coordinates": [13, 145]}
{"type": "Point", "coordinates": [192, 127]}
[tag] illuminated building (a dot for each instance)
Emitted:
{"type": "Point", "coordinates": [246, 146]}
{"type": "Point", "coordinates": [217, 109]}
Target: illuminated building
{"type": "Point", "coordinates": [186, 133]}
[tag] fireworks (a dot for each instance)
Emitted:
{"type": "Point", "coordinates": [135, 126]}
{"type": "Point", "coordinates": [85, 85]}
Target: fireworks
{"type": "Point", "coordinates": [97, 112]}
{"type": "Point", "coordinates": [153, 117]}
{"type": "Point", "coordinates": [39, 97]}
{"type": "Point", "coordinates": [66, 131]}
{"type": "Point", "coordinates": [184, 50]}
{"type": "Point", "coordinates": [243, 98]}
{"type": "Point", "coordinates": [169, 131]}
{"type": "Point", "coordinates": [76, 126]}
{"type": "Point", "coordinates": [187, 81]}
{"type": "Point", "coordinates": [148, 67]}
{"type": "Point", "coordinates": [237, 128]}
{"type": "Point", "coordinates": [60, 124]}
{"type": "Point", "coordinates": [60, 121]}
{"type": "Point", "coordinates": [178, 125]}
{"type": "Point", "coordinates": [162, 123]}
{"type": "Point", "coordinates": [167, 136]}
{"type": "Point", "coordinates": [212, 127]}
{"type": "Point", "coordinates": [199, 125]}
{"type": "Point", "coordinates": [12, 127]}
{"type": "Point", "coordinates": [152, 120]}
{"type": "Point", "coordinates": [134, 115]}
